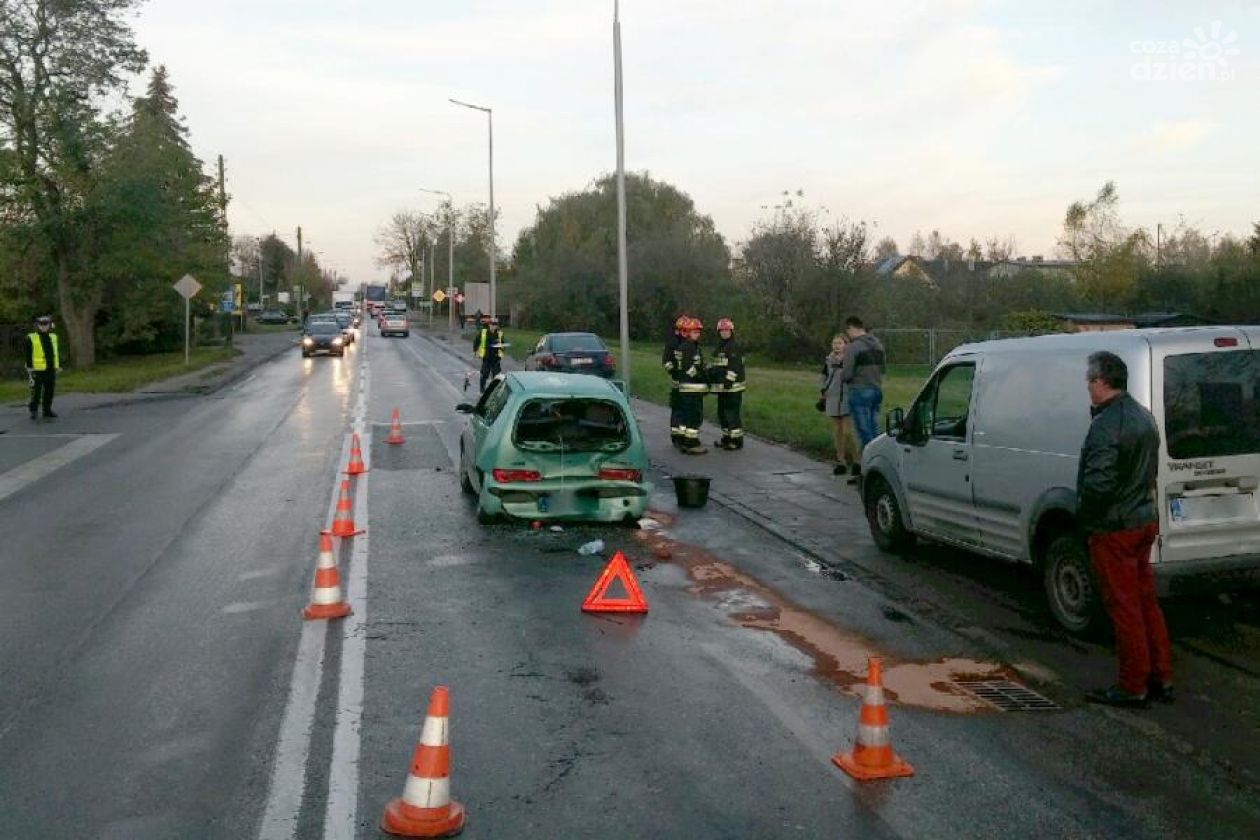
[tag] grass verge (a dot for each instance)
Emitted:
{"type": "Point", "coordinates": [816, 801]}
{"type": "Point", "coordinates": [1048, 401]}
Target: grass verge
{"type": "Point", "coordinates": [121, 375]}
{"type": "Point", "coordinates": [779, 402]}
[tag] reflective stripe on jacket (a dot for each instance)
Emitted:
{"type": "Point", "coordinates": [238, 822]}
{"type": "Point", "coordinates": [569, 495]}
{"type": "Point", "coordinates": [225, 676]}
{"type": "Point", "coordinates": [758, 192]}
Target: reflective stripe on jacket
{"type": "Point", "coordinates": [726, 371]}
{"type": "Point", "coordinates": [39, 361]}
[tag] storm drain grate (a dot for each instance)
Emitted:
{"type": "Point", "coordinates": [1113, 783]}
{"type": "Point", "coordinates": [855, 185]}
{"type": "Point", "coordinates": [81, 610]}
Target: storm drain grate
{"type": "Point", "coordinates": [1008, 696]}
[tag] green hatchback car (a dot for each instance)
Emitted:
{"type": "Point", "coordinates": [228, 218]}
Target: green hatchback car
{"type": "Point", "coordinates": [551, 446]}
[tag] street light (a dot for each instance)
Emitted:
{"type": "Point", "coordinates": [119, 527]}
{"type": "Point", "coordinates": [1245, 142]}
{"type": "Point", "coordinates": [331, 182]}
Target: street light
{"type": "Point", "coordinates": [490, 122]}
{"type": "Point", "coordinates": [450, 254]}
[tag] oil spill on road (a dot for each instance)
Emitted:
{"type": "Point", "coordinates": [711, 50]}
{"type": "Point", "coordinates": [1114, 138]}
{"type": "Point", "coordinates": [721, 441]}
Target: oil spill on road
{"type": "Point", "coordinates": [840, 656]}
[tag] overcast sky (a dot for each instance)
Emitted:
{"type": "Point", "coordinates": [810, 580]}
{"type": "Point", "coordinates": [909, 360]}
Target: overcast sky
{"type": "Point", "coordinates": [977, 118]}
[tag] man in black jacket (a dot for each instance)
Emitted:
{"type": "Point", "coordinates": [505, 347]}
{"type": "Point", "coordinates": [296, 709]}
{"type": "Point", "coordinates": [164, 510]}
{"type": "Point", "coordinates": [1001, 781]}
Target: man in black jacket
{"type": "Point", "coordinates": [43, 362]}
{"type": "Point", "coordinates": [1115, 501]}
{"type": "Point", "coordinates": [726, 379]}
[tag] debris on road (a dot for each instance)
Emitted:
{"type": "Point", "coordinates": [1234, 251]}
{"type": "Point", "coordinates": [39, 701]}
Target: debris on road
{"type": "Point", "coordinates": [592, 547]}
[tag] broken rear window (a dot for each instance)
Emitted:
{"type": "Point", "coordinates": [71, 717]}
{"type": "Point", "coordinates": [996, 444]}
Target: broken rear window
{"type": "Point", "coordinates": [571, 425]}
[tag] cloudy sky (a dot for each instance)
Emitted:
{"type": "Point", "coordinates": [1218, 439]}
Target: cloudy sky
{"type": "Point", "coordinates": [977, 118]}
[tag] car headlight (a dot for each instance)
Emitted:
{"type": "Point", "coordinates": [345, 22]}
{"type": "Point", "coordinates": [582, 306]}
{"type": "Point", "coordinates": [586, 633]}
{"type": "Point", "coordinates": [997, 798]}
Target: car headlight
{"type": "Point", "coordinates": [336, 341]}
{"type": "Point", "coordinates": [308, 341]}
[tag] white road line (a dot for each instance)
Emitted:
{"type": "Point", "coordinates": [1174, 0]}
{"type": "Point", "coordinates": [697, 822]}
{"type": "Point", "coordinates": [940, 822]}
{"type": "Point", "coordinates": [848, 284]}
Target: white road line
{"type": "Point", "coordinates": [341, 810]}
{"type": "Point", "coordinates": [33, 470]}
{"type": "Point", "coordinates": [288, 772]}
{"type": "Point", "coordinates": [441, 378]}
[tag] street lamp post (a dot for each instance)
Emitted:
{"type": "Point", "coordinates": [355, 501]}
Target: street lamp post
{"type": "Point", "coordinates": [490, 118]}
{"type": "Point", "coordinates": [450, 253]}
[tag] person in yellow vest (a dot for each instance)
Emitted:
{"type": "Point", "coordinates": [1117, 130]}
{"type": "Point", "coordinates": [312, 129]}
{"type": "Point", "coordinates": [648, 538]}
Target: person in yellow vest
{"type": "Point", "coordinates": [488, 346]}
{"type": "Point", "coordinates": [43, 361]}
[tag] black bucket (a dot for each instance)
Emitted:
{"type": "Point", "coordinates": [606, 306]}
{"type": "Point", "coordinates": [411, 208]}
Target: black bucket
{"type": "Point", "coordinates": [691, 490]}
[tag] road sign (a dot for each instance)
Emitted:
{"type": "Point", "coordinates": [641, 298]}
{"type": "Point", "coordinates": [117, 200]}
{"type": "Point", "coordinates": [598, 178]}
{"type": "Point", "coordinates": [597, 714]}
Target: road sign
{"type": "Point", "coordinates": [226, 301]}
{"type": "Point", "coordinates": [439, 295]}
{"type": "Point", "coordinates": [459, 297]}
{"type": "Point", "coordinates": [187, 286]}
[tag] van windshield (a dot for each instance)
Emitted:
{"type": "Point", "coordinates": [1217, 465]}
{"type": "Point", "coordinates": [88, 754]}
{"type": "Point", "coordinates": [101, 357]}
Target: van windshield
{"type": "Point", "coordinates": [1212, 404]}
{"type": "Point", "coordinates": [571, 425]}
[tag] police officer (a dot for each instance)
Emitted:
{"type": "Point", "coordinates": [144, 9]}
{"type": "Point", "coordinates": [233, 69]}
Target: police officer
{"type": "Point", "coordinates": [691, 383]}
{"type": "Point", "coordinates": [671, 359]}
{"type": "Point", "coordinates": [489, 348]}
{"type": "Point", "coordinates": [43, 362]}
{"type": "Point", "coordinates": [727, 380]}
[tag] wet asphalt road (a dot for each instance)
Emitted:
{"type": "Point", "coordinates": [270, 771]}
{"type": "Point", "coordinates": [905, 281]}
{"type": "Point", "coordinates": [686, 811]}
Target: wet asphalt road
{"type": "Point", "coordinates": [149, 632]}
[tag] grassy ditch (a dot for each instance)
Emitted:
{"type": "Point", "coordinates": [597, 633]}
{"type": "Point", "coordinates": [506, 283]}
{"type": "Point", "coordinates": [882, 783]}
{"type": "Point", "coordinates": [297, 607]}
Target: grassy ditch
{"type": "Point", "coordinates": [779, 402]}
{"type": "Point", "coordinates": [121, 375]}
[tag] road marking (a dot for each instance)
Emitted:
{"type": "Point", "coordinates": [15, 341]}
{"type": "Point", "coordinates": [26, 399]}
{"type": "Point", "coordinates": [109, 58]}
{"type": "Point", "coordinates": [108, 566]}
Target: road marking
{"type": "Point", "coordinates": [341, 810]}
{"type": "Point", "coordinates": [33, 470]}
{"type": "Point", "coordinates": [441, 378]}
{"type": "Point", "coordinates": [288, 772]}
{"type": "Point", "coordinates": [247, 606]}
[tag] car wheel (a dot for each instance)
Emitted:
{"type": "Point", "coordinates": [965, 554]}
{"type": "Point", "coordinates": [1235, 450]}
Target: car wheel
{"type": "Point", "coordinates": [1071, 590]}
{"type": "Point", "coordinates": [465, 483]}
{"type": "Point", "coordinates": [883, 515]}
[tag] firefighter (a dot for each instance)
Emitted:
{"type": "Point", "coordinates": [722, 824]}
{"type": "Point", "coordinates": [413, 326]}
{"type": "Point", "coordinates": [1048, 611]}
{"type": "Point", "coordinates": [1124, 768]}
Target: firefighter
{"type": "Point", "coordinates": [727, 380]}
{"type": "Point", "coordinates": [488, 345]}
{"type": "Point", "coordinates": [692, 386]}
{"type": "Point", "coordinates": [671, 359]}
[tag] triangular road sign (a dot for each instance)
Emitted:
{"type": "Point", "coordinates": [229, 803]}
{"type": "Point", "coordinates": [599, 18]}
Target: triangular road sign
{"type": "Point", "coordinates": [617, 569]}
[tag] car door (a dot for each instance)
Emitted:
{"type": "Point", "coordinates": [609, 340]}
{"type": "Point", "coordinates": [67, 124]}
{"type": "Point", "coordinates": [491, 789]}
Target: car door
{"type": "Point", "coordinates": [487, 410]}
{"type": "Point", "coordinates": [936, 457]}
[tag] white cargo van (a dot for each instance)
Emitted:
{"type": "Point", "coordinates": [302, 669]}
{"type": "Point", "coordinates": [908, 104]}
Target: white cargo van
{"type": "Point", "coordinates": [986, 456]}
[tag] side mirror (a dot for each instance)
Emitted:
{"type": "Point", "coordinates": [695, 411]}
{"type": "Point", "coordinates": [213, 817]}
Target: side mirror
{"type": "Point", "coordinates": [893, 422]}
{"type": "Point", "coordinates": [465, 408]}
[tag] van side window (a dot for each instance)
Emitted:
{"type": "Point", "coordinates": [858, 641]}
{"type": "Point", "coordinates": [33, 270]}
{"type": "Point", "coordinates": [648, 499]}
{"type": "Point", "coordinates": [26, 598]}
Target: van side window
{"type": "Point", "coordinates": [942, 409]}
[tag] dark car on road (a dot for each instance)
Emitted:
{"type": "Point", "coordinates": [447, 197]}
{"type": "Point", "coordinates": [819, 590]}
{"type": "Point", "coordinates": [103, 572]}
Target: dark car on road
{"type": "Point", "coordinates": [572, 352]}
{"type": "Point", "coordinates": [323, 336]}
{"type": "Point", "coordinates": [272, 316]}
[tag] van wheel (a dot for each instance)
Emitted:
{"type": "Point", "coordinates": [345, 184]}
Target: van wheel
{"type": "Point", "coordinates": [1071, 590]}
{"type": "Point", "coordinates": [883, 514]}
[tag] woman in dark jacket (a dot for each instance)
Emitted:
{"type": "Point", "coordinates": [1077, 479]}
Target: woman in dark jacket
{"type": "Point", "coordinates": [836, 407]}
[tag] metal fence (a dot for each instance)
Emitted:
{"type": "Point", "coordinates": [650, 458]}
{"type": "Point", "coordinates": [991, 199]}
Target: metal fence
{"type": "Point", "coordinates": [911, 346]}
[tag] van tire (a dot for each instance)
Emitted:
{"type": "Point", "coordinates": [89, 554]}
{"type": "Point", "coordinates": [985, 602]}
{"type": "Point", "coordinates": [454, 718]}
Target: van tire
{"type": "Point", "coordinates": [1071, 591]}
{"type": "Point", "coordinates": [883, 515]}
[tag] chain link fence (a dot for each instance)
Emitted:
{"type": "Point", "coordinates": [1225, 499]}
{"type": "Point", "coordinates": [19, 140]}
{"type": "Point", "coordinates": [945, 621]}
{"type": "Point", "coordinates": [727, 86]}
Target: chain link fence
{"type": "Point", "coordinates": [910, 346]}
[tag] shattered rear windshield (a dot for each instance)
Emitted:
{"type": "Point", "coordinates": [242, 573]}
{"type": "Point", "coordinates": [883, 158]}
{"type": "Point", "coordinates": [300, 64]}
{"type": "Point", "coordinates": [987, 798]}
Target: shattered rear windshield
{"type": "Point", "coordinates": [571, 425]}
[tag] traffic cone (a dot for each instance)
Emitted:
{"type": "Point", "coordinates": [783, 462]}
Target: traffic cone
{"type": "Point", "coordinates": [356, 466]}
{"type": "Point", "coordinates": [343, 519]}
{"type": "Point", "coordinates": [872, 756]}
{"type": "Point", "coordinates": [395, 429]}
{"type": "Point", "coordinates": [326, 600]}
{"type": "Point", "coordinates": [425, 808]}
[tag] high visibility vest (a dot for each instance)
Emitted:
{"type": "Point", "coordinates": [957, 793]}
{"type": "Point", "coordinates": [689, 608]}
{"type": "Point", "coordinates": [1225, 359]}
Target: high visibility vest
{"type": "Point", "coordinates": [482, 341]}
{"type": "Point", "coordinates": [38, 361]}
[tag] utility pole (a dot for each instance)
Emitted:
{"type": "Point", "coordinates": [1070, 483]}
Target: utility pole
{"type": "Point", "coordinates": [623, 281]}
{"type": "Point", "coordinates": [301, 307]}
{"type": "Point", "coordinates": [228, 245]}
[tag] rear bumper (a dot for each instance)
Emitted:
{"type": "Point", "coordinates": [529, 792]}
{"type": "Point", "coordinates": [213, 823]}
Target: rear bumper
{"type": "Point", "coordinates": [1207, 566]}
{"type": "Point", "coordinates": [604, 502]}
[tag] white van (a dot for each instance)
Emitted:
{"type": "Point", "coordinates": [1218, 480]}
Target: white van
{"type": "Point", "coordinates": [986, 456]}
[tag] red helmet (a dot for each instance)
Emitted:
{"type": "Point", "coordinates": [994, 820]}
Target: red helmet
{"type": "Point", "coordinates": [680, 325]}
{"type": "Point", "coordinates": [726, 324]}
{"type": "Point", "coordinates": [694, 324]}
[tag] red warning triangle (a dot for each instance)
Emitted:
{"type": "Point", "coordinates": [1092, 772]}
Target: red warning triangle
{"type": "Point", "coordinates": [598, 600]}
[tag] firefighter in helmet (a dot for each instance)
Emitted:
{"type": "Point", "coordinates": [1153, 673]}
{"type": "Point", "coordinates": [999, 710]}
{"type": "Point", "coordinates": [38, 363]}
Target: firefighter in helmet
{"type": "Point", "coordinates": [727, 378]}
{"type": "Point", "coordinates": [690, 381]}
{"type": "Point", "coordinates": [671, 359]}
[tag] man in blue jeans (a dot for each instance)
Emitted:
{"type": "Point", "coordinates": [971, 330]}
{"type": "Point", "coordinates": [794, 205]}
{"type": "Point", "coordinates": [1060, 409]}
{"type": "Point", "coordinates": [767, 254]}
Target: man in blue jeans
{"type": "Point", "coordinates": [863, 375]}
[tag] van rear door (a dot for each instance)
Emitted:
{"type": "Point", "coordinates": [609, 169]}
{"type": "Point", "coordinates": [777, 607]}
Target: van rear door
{"type": "Point", "coordinates": [1205, 395]}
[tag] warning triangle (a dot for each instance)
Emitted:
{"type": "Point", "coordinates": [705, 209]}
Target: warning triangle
{"type": "Point", "coordinates": [598, 600]}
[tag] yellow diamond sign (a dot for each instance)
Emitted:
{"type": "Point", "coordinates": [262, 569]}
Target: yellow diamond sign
{"type": "Point", "coordinates": [439, 295]}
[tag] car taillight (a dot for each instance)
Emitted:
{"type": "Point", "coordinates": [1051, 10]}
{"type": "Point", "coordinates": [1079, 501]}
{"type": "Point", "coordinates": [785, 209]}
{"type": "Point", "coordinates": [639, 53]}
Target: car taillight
{"type": "Point", "coordinates": [505, 476]}
{"type": "Point", "coordinates": [610, 360]}
{"type": "Point", "coordinates": [547, 360]}
{"type": "Point", "coordinates": [619, 474]}
{"type": "Point", "coordinates": [1226, 342]}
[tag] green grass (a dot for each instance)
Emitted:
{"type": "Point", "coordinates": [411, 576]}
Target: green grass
{"type": "Point", "coordinates": [779, 402]}
{"type": "Point", "coordinates": [123, 374]}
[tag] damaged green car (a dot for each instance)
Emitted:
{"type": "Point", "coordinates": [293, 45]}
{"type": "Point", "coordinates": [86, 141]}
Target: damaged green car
{"type": "Point", "coordinates": [550, 446]}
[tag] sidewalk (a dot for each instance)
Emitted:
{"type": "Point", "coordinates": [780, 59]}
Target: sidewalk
{"type": "Point", "coordinates": [788, 494]}
{"type": "Point", "coordinates": [256, 348]}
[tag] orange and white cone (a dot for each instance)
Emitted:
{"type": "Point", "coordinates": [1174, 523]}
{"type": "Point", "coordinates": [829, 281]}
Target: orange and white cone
{"type": "Point", "coordinates": [356, 467]}
{"type": "Point", "coordinates": [343, 519]}
{"type": "Point", "coordinates": [425, 808]}
{"type": "Point", "coordinates": [326, 600]}
{"type": "Point", "coordinates": [395, 429]}
{"type": "Point", "coordinates": [872, 756]}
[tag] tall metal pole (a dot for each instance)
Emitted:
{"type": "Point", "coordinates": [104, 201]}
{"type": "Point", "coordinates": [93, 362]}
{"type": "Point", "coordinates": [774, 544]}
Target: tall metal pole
{"type": "Point", "coordinates": [490, 116]}
{"type": "Point", "coordinates": [450, 257]}
{"type": "Point", "coordinates": [187, 321]}
{"type": "Point", "coordinates": [301, 281]}
{"type": "Point", "coordinates": [622, 269]}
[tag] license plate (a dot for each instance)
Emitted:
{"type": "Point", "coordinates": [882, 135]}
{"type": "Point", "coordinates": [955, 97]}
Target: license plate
{"type": "Point", "coordinates": [583, 361]}
{"type": "Point", "coordinates": [1175, 511]}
